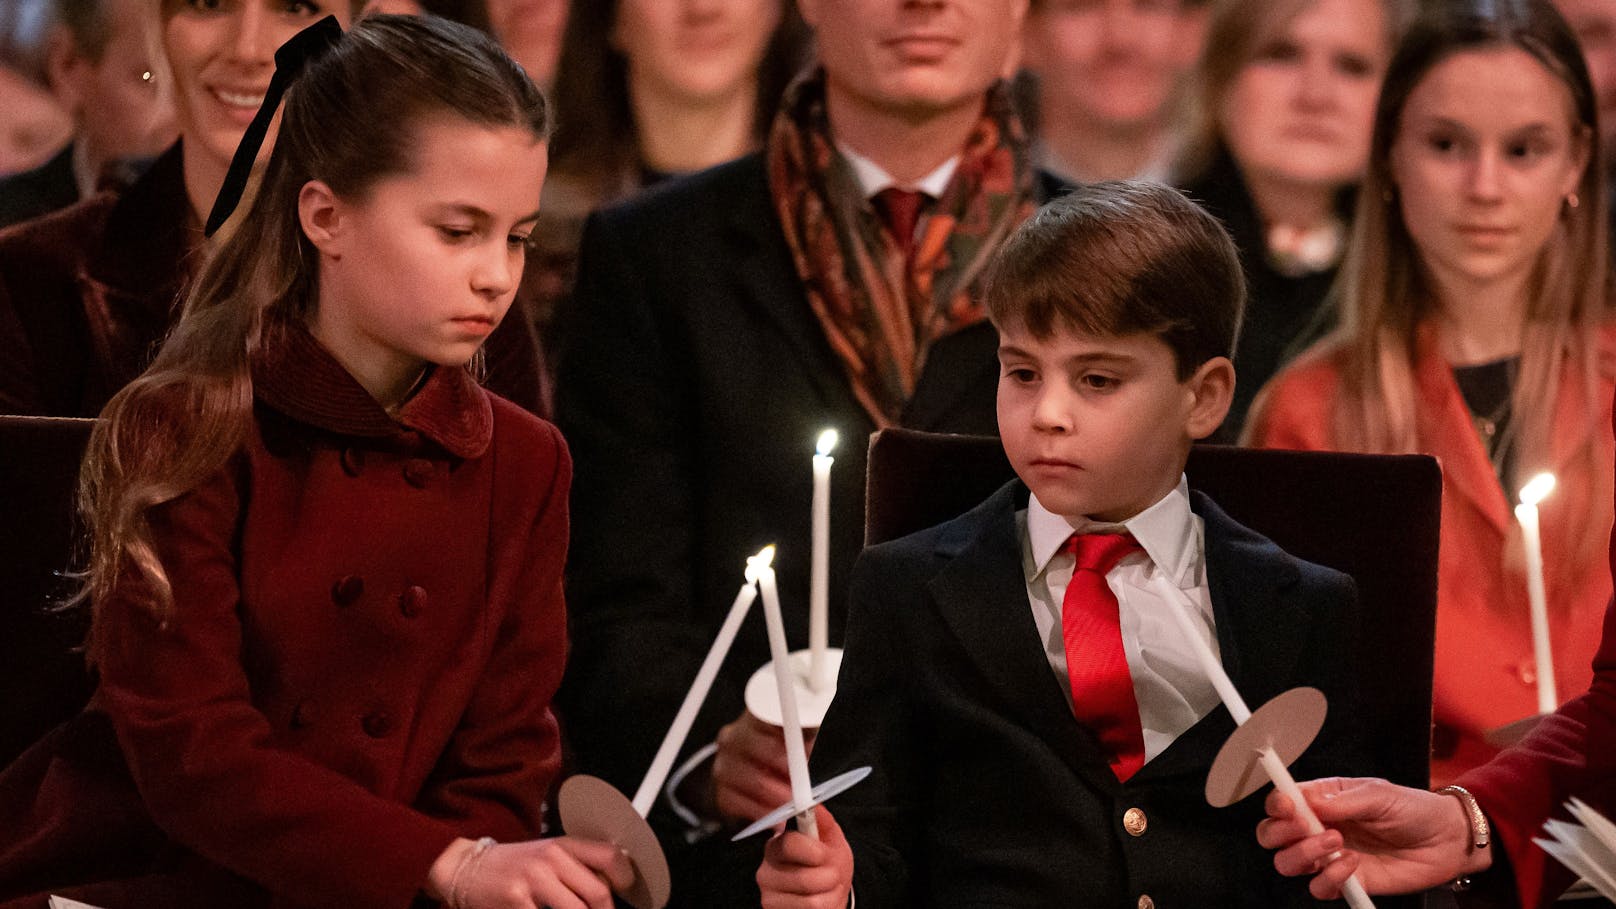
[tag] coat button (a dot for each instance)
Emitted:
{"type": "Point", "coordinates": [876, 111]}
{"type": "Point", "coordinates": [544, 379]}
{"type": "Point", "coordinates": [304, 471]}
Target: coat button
{"type": "Point", "coordinates": [302, 715]}
{"type": "Point", "coordinates": [1135, 822]}
{"type": "Point", "coordinates": [353, 461]}
{"type": "Point", "coordinates": [412, 601]}
{"type": "Point", "coordinates": [417, 471]}
{"type": "Point", "coordinates": [347, 590]}
{"type": "Point", "coordinates": [1526, 671]}
{"type": "Point", "coordinates": [1145, 902]}
{"type": "Point", "coordinates": [377, 724]}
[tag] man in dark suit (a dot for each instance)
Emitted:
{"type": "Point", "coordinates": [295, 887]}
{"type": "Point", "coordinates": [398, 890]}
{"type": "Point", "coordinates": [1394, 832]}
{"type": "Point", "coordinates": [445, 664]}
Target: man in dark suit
{"type": "Point", "coordinates": [99, 70]}
{"type": "Point", "coordinates": [722, 321]}
{"type": "Point", "coordinates": [1040, 730]}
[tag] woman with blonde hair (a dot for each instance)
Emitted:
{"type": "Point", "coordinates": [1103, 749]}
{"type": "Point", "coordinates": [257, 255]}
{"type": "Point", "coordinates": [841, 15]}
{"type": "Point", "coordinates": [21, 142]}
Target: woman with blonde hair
{"type": "Point", "coordinates": [1280, 134]}
{"type": "Point", "coordinates": [1477, 328]}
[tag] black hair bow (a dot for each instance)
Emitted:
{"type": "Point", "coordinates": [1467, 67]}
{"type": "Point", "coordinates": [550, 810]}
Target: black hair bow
{"type": "Point", "coordinates": [289, 62]}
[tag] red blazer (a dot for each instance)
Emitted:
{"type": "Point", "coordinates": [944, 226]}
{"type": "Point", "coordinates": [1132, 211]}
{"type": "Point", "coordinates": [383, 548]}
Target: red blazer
{"type": "Point", "coordinates": [1485, 676]}
{"type": "Point", "coordinates": [368, 630]}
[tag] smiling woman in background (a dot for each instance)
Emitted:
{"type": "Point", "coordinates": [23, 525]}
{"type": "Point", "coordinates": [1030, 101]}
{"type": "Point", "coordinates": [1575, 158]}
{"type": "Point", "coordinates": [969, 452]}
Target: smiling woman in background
{"type": "Point", "coordinates": [87, 293]}
{"type": "Point", "coordinates": [1477, 328]}
{"type": "Point", "coordinates": [1286, 92]}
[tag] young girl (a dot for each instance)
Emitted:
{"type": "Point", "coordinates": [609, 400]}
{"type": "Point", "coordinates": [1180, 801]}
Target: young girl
{"type": "Point", "coordinates": [1477, 329]}
{"type": "Point", "coordinates": [325, 565]}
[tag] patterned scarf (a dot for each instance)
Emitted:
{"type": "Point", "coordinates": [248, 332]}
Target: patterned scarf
{"type": "Point", "coordinates": [880, 317]}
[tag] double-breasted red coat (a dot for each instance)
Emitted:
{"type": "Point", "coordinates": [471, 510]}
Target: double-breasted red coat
{"type": "Point", "coordinates": [368, 628]}
{"type": "Point", "coordinates": [1485, 675]}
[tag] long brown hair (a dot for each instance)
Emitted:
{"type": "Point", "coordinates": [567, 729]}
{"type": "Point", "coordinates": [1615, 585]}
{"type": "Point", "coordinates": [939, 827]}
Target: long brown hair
{"type": "Point", "coordinates": [596, 140]}
{"type": "Point", "coordinates": [349, 121]}
{"type": "Point", "coordinates": [1383, 295]}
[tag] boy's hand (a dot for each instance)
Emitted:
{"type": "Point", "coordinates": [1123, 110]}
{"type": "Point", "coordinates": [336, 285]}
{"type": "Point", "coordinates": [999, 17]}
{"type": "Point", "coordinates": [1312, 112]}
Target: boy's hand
{"type": "Point", "coordinates": [750, 777]}
{"type": "Point", "coordinates": [800, 872]}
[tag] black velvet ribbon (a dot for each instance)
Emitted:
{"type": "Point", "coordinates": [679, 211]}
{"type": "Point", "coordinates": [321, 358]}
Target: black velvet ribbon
{"type": "Point", "coordinates": [290, 59]}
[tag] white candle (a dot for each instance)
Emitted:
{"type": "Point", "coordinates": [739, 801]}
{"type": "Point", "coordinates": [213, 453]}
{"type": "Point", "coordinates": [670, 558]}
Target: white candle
{"type": "Point", "coordinates": [819, 579]}
{"type": "Point", "coordinates": [796, 751]}
{"type": "Point", "coordinates": [1542, 654]}
{"type": "Point", "coordinates": [1353, 890]}
{"type": "Point", "coordinates": [645, 796]}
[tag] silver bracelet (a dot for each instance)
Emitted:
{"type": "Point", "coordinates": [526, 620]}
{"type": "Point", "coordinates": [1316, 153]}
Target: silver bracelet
{"type": "Point", "coordinates": [464, 870]}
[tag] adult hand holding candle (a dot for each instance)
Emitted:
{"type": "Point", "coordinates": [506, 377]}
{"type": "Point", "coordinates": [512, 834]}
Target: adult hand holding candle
{"type": "Point", "coordinates": [1531, 537]}
{"type": "Point", "coordinates": [819, 579]}
{"type": "Point", "coordinates": [1274, 766]}
{"type": "Point", "coordinates": [796, 751]}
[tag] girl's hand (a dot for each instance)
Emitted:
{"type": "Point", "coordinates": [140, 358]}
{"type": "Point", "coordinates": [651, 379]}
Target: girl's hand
{"type": "Point", "coordinates": [557, 873]}
{"type": "Point", "coordinates": [800, 872]}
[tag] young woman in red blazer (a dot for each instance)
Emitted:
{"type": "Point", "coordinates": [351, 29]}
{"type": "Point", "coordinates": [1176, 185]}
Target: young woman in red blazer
{"type": "Point", "coordinates": [1476, 326]}
{"type": "Point", "coordinates": [325, 572]}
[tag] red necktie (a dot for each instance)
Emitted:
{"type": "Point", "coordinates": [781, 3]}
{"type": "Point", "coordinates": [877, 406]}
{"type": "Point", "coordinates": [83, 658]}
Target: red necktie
{"type": "Point", "coordinates": [1102, 687]}
{"type": "Point", "coordinates": [900, 211]}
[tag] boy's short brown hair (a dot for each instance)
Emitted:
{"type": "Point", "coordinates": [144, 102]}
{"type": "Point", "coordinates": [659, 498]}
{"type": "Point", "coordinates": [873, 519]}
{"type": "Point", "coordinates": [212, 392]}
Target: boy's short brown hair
{"type": "Point", "coordinates": [1122, 258]}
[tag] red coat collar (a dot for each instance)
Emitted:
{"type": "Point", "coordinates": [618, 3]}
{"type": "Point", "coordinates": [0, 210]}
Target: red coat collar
{"type": "Point", "coordinates": [295, 375]}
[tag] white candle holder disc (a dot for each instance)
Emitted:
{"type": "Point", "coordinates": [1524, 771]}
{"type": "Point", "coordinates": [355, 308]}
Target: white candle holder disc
{"type": "Point", "coordinates": [593, 809]}
{"type": "Point", "coordinates": [763, 697]}
{"type": "Point", "coordinates": [823, 793]}
{"type": "Point", "coordinates": [1288, 724]}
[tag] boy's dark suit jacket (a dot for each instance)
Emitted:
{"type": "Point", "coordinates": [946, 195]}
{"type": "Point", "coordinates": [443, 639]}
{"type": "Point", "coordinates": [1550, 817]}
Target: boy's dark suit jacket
{"type": "Point", "coordinates": [987, 791]}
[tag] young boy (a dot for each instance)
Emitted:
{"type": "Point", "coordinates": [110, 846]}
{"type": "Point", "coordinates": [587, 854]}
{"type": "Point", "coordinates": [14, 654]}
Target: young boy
{"type": "Point", "coordinates": [1040, 732]}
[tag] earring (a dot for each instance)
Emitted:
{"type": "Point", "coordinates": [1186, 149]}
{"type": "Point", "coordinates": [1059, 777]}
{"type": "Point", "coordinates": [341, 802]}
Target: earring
{"type": "Point", "coordinates": [1572, 201]}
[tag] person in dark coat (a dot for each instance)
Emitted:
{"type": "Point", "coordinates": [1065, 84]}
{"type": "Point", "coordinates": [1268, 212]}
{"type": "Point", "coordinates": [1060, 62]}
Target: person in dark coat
{"type": "Point", "coordinates": [98, 67]}
{"type": "Point", "coordinates": [1285, 95]}
{"type": "Point", "coordinates": [720, 323]}
{"type": "Point", "coordinates": [1039, 726]}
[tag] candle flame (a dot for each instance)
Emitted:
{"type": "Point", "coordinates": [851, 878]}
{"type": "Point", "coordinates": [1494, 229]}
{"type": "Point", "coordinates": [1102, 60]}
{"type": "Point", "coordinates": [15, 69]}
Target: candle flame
{"type": "Point", "coordinates": [1537, 488]}
{"type": "Point", "coordinates": [756, 564]}
{"type": "Point", "coordinates": [827, 441]}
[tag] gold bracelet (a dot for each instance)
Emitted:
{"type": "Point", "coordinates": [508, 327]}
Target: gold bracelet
{"type": "Point", "coordinates": [1480, 830]}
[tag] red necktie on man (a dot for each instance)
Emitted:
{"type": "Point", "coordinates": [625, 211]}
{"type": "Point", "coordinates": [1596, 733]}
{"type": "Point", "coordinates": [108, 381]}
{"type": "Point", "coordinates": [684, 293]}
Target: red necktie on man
{"type": "Point", "coordinates": [900, 212]}
{"type": "Point", "coordinates": [1096, 666]}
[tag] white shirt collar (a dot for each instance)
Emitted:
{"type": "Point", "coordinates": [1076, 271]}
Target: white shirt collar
{"type": "Point", "coordinates": [1167, 530]}
{"type": "Point", "coordinates": [872, 178]}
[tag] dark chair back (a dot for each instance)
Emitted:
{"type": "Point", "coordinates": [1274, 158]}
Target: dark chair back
{"type": "Point", "coordinates": [1374, 517]}
{"type": "Point", "coordinates": [39, 468]}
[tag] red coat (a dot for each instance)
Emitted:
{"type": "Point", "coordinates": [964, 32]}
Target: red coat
{"type": "Point", "coordinates": [368, 632]}
{"type": "Point", "coordinates": [1485, 674]}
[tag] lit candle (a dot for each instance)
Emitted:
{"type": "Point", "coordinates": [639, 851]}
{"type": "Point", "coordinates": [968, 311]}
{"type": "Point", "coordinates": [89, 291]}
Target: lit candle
{"type": "Point", "coordinates": [1353, 891]}
{"type": "Point", "coordinates": [1526, 513]}
{"type": "Point", "coordinates": [796, 751]}
{"type": "Point", "coordinates": [645, 796]}
{"type": "Point", "coordinates": [819, 579]}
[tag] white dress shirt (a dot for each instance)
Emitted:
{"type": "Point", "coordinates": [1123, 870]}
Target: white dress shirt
{"type": "Point", "coordinates": [872, 178]}
{"type": "Point", "coordinates": [1172, 690]}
